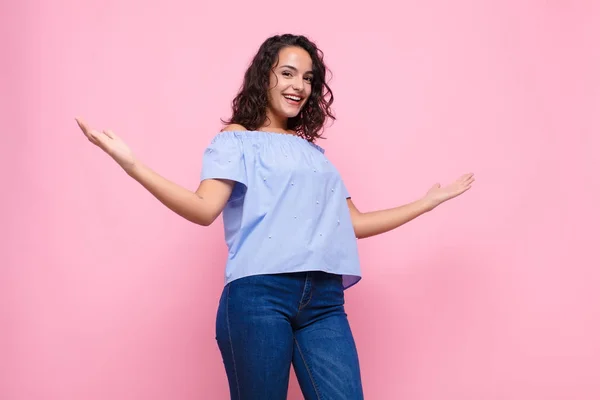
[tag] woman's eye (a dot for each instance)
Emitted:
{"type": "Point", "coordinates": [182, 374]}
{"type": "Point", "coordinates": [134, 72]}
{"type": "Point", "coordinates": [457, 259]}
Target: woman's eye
{"type": "Point", "coordinates": [286, 73]}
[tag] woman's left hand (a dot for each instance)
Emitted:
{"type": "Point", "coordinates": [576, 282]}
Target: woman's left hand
{"type": "Point", "coordinates": [438, 194]}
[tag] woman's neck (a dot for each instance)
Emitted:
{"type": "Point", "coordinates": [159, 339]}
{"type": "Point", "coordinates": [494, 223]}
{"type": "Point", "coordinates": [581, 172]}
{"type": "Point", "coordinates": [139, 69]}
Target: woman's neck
{"type": "Point", "coordinates": [276, 130]}
{"type": "Point", "coordinates": [277, 125]}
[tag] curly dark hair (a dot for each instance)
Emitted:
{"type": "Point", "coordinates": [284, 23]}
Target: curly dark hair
{"type": "Point", "coordinates": [249, 107]}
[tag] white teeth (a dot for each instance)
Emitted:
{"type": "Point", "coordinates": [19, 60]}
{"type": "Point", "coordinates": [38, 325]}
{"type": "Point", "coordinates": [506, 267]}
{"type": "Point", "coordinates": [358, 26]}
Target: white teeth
{"type": "Point", "coordinates": [295, 98]}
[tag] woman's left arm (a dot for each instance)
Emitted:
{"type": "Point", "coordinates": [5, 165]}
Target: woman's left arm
{"type": "Point", "coordinates": [373, 223]}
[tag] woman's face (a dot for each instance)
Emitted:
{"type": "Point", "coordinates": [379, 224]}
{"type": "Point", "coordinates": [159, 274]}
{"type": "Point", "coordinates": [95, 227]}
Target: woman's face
{"type": "Point", "coordinates": [289, 84]}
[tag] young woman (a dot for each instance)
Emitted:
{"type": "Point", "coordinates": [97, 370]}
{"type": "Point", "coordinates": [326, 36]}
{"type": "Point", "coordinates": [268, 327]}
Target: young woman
{"type": "Point", "coordinates": [290, 226]}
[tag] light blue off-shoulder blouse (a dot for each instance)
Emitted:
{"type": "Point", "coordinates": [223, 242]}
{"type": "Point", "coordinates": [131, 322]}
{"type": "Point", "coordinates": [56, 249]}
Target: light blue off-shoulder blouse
{"type": "Point", "coordinates": [288, 210]}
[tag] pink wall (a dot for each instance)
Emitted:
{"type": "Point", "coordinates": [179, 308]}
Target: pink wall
{"type": "Point", "coordinates": [106, 294]}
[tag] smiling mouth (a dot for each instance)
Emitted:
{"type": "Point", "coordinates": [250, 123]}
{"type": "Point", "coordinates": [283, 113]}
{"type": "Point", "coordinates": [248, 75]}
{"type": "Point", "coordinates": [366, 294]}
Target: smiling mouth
{"type": "Point", "coordinates": [292, 99]}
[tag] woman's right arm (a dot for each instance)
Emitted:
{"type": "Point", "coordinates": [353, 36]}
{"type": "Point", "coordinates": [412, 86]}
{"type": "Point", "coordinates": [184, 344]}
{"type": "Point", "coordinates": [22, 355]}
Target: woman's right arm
{"type": "Point", "coordinates": [201, 207]}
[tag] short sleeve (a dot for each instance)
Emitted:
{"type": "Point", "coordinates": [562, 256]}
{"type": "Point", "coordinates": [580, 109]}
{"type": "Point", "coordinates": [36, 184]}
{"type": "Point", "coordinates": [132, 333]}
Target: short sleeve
{"type": "Point", "coordinates": [345, 191]}
{"type": "Point", "coordinates": [224, 159]}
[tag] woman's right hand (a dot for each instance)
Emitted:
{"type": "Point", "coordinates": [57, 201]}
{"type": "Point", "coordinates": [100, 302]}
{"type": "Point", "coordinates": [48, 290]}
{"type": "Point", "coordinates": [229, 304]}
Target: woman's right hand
{"type": "Point", "coordinates": [112, 145]}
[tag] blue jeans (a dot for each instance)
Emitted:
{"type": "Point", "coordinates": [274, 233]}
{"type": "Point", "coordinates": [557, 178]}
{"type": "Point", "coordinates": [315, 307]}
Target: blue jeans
{"type": "Point", "coordinates": [266, 323]}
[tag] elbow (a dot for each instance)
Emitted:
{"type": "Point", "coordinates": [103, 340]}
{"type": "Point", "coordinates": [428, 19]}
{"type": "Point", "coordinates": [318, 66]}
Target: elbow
{"type": "Point", "coordinates": [205, 213]}
{"type": "Point", "coordinates": [205, 220]}
{"type": "Point", "coordinates": [359, 233]}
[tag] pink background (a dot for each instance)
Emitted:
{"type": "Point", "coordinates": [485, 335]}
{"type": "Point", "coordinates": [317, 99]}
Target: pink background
{"type": "Point", "coordinates": [106, 294]}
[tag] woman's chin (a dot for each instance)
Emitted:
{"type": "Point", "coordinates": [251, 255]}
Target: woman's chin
{"type": "Point", "coordinates": [288, 112]}
{"type": "Point", "coordinates": [292, 112]}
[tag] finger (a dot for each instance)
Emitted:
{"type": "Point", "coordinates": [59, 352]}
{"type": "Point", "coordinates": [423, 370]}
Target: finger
{"type": "Point", "coordinates": [468, 181]}
{"type": "Point", "coordinates": [81, 123]}
{"type": "Point", "coordinates": [83, 126]}
{"type": "Point", "coordinates": [109, 133]}
{"type": "Point", "coordinates": [93, 138]}
{"type": "Point", "coordinates": [466, 177]}
{"type": "Point", "coordinates": [96, 135]}
{"type": "Point", "coordinates": [100, 139]}
{"type": "Point", "coordinates": [92, 135]}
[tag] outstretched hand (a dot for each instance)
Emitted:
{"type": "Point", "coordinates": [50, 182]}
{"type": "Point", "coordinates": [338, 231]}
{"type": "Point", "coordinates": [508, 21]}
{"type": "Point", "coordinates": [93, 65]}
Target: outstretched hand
{"type": "Point", "coordinates": [112, 145]}
{"type": "Point", "coordinates": [439, 194]}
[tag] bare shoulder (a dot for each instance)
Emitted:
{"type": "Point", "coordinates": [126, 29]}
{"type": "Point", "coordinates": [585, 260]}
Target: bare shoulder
{"type": "Point", "coordinates": [233, 127]}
